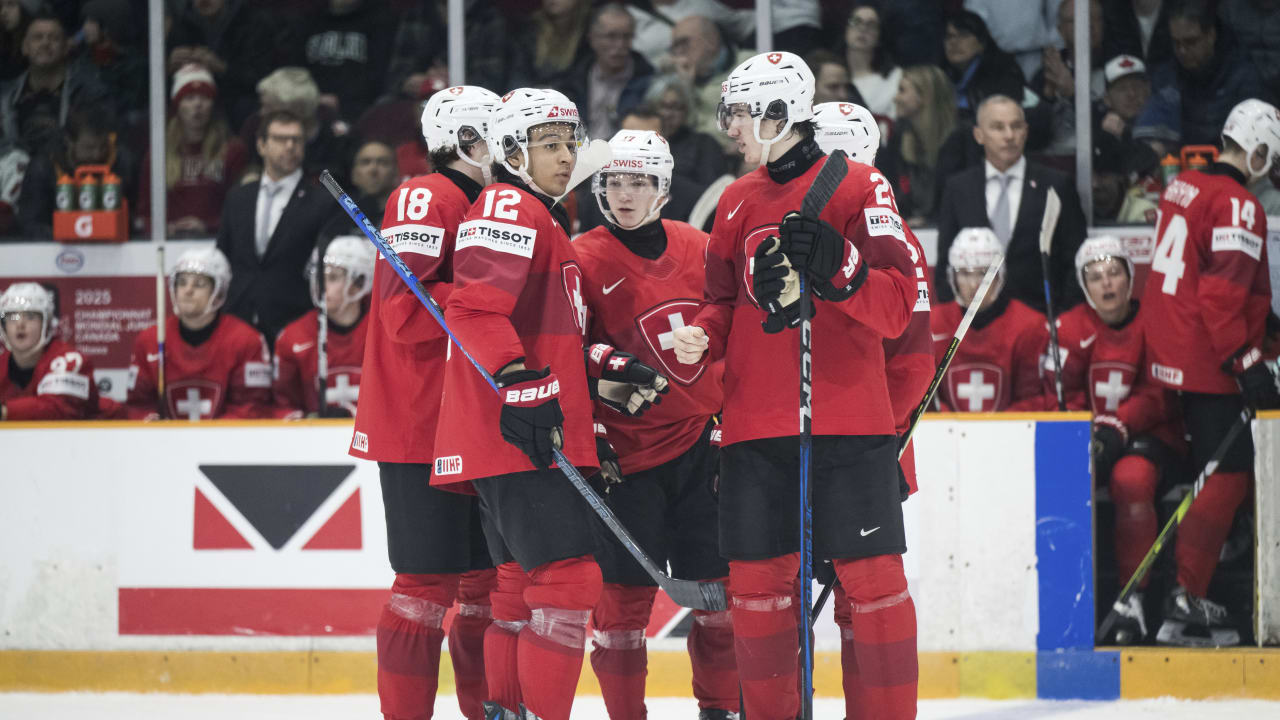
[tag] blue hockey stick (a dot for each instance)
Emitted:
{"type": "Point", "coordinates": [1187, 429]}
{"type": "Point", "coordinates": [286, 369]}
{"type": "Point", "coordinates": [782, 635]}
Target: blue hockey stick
{"type": "Point", "coordinates": [686, 593]}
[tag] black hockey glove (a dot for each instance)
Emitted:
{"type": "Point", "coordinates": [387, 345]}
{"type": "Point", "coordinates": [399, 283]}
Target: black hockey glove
{"type": "Point", "coordinates": [833, 264]}
{"type": "Point", "coordinates": [622, 382]}
{"type": "Point", "coordinates": [776, 286]}
{"type": "Point", "coordinates": [610, 470]}
{"type": "Point", "coordinates": [1260, 386]}
{"type": "Point", "coordinates": [531, 417]}
{"type": "Point", "coordinates": [1110, 436]}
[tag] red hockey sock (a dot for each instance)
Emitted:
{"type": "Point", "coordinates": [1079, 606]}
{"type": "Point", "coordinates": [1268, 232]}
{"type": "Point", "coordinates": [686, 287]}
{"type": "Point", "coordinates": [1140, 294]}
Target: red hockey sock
{"type": "Point", "coordinates": [711, 653]}
{"type": "Point", "coordinates": [409, 635]}
{"type": "Point", "coordinates": [1133, 490]}
{"type": "Point", "coordinates": [501, 639]}
{"type": "Point", "coordinates": [849, 676]}
{"type": "Point", "coordinates": [560, 598]}
{"type": "Point", "coordinates": [884, 637]}
{"type": "Point", "coordinates": [1205, 528]}
{"type": "Point", "coordinates": [619, 656]}
{"type": "Point", "coordinates": [466, 640]}
{"type": "Point", "coordinates": [765, 635]}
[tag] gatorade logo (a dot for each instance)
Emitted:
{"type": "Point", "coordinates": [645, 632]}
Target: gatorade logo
{"type": "Point", "coordinates": [84, 226]}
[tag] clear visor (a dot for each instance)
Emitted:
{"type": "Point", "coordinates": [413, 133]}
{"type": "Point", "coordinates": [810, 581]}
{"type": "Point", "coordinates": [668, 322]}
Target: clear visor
{"type": "Point", "coordinates": [552, 136]}
{"type": "Point", "coordinates": [726, 115]}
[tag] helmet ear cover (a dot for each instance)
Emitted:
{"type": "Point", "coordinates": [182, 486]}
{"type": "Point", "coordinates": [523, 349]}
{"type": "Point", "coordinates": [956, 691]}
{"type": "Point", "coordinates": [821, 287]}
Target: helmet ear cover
{"type": "Point", "coordinates": [777, 110]}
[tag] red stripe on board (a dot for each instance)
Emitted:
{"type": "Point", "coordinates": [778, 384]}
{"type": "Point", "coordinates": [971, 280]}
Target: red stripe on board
{"type": "Point", "coordinates": [255, 611]}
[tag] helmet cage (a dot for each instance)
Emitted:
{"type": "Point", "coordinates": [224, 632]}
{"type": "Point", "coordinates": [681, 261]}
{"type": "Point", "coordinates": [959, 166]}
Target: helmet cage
{"type": "Point", "coordinates": [28, 297]}
{"type": "Point", "coordinates": [636, 152]}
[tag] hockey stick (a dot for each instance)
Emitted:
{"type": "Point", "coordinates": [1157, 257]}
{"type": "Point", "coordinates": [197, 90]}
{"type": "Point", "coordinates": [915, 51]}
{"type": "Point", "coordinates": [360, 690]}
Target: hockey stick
{"type": "Point", "coordinates": [1242, 422]}
{"type": "Point", "coordinates": [941, 372]}
{"type": "Point", "coordinates": [161, 322]}
{"type": "Point", "coordinates": [1052, 207]}
{"type": "Point", "coordinates": [828, 179]}
{"type": "Point", "coordinates": [322, 346]}
{"type": "Point", "coordinates": [687, 593]}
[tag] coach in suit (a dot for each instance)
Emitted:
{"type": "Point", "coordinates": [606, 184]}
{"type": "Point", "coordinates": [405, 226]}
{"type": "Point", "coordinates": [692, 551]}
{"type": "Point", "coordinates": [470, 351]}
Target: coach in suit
{"type": "Point", "coordinates": [1007, 193]}
{"type": "Point", "coordinates": [269, 229]}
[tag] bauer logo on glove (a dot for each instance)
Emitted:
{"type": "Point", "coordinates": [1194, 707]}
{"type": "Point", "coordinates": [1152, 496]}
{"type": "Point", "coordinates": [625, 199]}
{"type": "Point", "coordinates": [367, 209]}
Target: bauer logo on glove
{"type": "Point", "coordinates": [622, 382]}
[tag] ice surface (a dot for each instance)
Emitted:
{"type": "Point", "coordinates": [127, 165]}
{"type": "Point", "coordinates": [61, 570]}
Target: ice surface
{"type": "Point", "coordinates": [123, 706]}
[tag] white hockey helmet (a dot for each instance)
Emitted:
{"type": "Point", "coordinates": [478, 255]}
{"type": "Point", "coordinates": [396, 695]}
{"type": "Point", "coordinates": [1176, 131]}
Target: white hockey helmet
{"type": "Point", "coordinates": [975, 248]}
{"type": "Point", "coordinates": [517, 113]}
{"type": "Point", "coordinates": [458, 117]}
{"type": "Point", "coordinates": [1102, 247]}
{"type": "Point", "coordinates": [352, 253]}
{"type": "Point", "coordinates": [848, 127]}
{"type": "Point", "coordinates": [209, 262]}
{"type": "Point", "coordinates": [637, 152]}
{"type": "Point", "coordinates": [773, 86]}
{"type": "Point", "coordinates": [29, 297]}
{"type": "Point", "coordinates": [1251, 124]}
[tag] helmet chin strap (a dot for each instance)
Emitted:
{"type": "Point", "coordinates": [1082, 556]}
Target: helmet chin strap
{"type": "Point", "coordinates": [484, 163]}
{"type": "Point", "coordinates": [766, 145]}
{"type": "Point", "coordinates": [525, 176]}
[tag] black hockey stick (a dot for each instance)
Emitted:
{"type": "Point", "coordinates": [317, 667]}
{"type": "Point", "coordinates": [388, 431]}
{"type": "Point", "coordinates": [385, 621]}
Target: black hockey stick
{"type": "Point", "coordinates": [829, 177]}
{"type": "Point", "coordinates": [1052, 207]}
{"type": "Point", "coordinates": [686, 593]}
{"type": "Point", "coordinates": [1242, 422]}
{"type": "Point", "coordinates": [322, 346]}
{"type": "Point", "coordinates": [943, 366]}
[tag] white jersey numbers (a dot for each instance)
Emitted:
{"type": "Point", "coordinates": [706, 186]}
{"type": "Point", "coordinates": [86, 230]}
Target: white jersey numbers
{"type": "Point", "coordinates": [412, 204]}
{"type": "Point", "coordinates": [884, 193]}
{"type": "Point", "coordinates": [66, 363]}
{"type": "Point", "coordinates": [501, 209]}
{"type": "Point", "coordinates": [1168, 258]}
{"type": "Point", "coordinates": [1245, 212]}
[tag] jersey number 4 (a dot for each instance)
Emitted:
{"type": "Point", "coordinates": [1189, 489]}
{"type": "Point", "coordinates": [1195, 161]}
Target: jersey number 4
{"type": "Point", "coordinates": [1168, 258]}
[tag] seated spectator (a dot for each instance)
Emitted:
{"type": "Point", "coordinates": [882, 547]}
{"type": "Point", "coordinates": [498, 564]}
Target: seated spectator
{"type": "Point", "coordinates": [1007, 193]}
{"type": "Point", "coordinates": [373, 176]}
{"type": "Point", "coordinates": [656, 21]}
{"type": "Point", "coordinates": [610, 79]}
{"type": "Point", "coordinates": [698, 155]}
{"type": "Point", "coordinates": [14, 18]}
{"type": "Point", "coordinates": [1139, 28]}
{"type": "Point", "coordinates": [977, 66]}
{"type": "Point", "coordinates": [292, 89]}
{"type": "Point", "coordinates": [344, 48]}
{"type": "Point", "coordinates": [41, 377]}
{"type": "Point", "coordinates": [1192, 95]}
{"type": "Point", "coordinates": [1128, 89]}
{"type": "Point", "coordinates": [1022, 28]}
{"type": "Point", "coordinates": [234, 39]}
{"type": "Point", "coordinates": [114, 42]}
{"type": "Point", "coordinates": [35, 104]}
{"type": "Point", "coordinates": [269, 228]}
{"type": "Point", "coordinates": [867, 57]}
{"type": "Point", "coordinates": [89, 138]}
{"type": "Point", "coordinates": [997, 367]}
{"type": "Point", "coordinates": [341, 285]}
{"type": "Point", "coordinates": [1056, 80]}
{"type": "Point", "coordinates": [202, 159]}
{"type": "Point", "coordinates": [926, 110]}
{"type": "Point", "coordinates": [1256, 27]}
{"type": "Point", "coordinates": [558, 34]}
{"type": "Point", "coordinates": [215, 365]}
{"type": "Point", "coordinates": [701, 57]}
{"type": "Point", "coordinates": [831, 78]}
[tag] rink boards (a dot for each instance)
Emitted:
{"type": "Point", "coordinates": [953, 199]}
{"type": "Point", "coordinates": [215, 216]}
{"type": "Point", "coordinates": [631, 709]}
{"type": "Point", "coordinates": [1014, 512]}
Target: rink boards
{"type": "Point", "coordinates": [244, 556]}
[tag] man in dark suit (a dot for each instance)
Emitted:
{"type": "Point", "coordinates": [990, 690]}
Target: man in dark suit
{"type": "Point", "coordinates": [269, 229]}
{"type": "Point", "coordinates": [1007, 193]}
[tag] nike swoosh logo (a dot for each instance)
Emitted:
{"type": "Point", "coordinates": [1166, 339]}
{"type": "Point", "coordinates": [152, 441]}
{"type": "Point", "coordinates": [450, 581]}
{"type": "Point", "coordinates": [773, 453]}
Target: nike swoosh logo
{"type": "Point", "coordinates": [735, 210]}
{"type": "Point", "coordinates": [299, 347]}
{"type": "Point", "coordinates": [609, 288]}
{"type": "Point", "coordinates": [152, 357]}
{"type": "Point", "coordinates": [868, 532]}
{"type": "Point", "coordinates": [1086, 343]}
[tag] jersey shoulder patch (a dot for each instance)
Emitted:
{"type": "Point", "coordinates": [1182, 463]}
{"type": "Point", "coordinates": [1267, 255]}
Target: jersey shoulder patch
{"type": "Point", "coordinates": [501, 237]}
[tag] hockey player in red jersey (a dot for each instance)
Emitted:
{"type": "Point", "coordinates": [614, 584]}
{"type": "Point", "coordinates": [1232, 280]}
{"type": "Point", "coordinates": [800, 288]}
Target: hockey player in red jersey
{"type": "Point", "coordinates": [1138, 444]}
{"type": "Point", "coordinates": [434, 539]}
{"type": "Point", "coordinates": [1210, 290]}
{"type": "Point", "coordinates": [41, 377]}
{"type": "Point", "coordinates": [642, 279]}
{"type": "Point", "coordinates": [340, 282]}
{"type": "Point", "coordinates": [855, 257]}
{"type": "Point", "coordinates": [908, 358]}
{"type": "Point", "coordinates": [215, 364]}
{"type": "Point", "coordinates": [997, 367]}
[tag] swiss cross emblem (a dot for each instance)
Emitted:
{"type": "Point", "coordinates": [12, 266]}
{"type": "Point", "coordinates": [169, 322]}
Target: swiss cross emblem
{"type": "Point", "coordinates": [508, 95]}
{"type": "Point", "coordinates": [658, 325]}
{"type": "Point", "coordinates": [342, 388]}
{"type": "Point", "coordinates": [749, 245]}
{"type": "Point", "coordinates": [572, 276]}
{"type": "Point", "coordinates": [1126, 63]}
{"type": "Point", "coordinates": [194, 399]}
{"type": "Point", "coordinates": [774, 58]}
{"type": "Point", "coordinates": [846, 108]}
{"type": "Point", "coordinates": [975, 387]}
{"type": "Point", "coordinates": [456, 89]}
{"type": "Point", "coordinates": [1109, 384]}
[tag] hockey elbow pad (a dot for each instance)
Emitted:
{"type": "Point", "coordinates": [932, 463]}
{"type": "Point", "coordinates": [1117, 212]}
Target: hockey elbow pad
{"type": "Point", "coordinates": [846, 281]}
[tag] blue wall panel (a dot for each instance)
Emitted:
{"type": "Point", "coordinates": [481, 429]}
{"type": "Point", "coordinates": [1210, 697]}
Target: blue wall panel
{"type": "Point", "coordinates": [1064, 536]}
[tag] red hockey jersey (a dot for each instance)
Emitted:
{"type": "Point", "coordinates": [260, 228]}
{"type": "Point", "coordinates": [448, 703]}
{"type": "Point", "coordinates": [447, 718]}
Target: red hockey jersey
{"type": "Point", "coordinates": [997, 367]}
{"type": "Point", "coordinates": [1103, 370]}
{"type": "Point", "coordinates": [61, 386]}
{"type": "Point", "coordinates": [227, 375]}
{"type": "Point", "coordinates": [298, 356]}
{"type": "Point", "coordinates": [1209, 286]}
{"type": "Point", "coordinates": [908, 358]}
{"type": "Point", "coordinates": [517, 294]}
{"type": "Point", "coordinates": [635, 304]}
{"type": "Point", "coordinates": [762, 370]}
{"type": "Point", "coordinates": [403, 366]}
